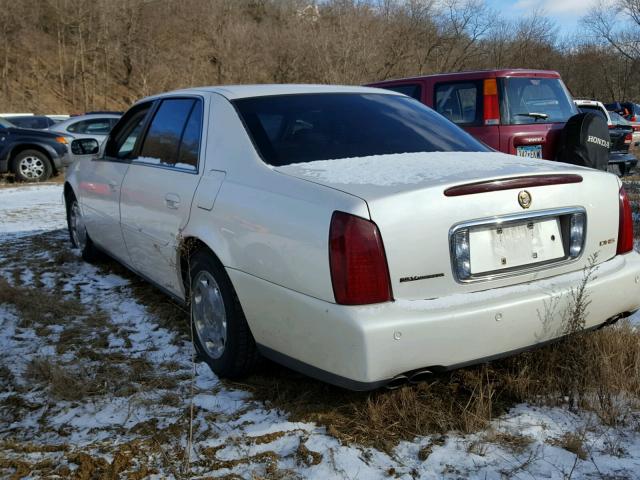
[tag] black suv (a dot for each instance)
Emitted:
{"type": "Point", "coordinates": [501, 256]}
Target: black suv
{"type": "Point", "coordinates": [32, 155]}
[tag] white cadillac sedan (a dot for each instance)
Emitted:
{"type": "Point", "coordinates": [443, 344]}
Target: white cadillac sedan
{"type": "Point", "coordinates": [352, 234]}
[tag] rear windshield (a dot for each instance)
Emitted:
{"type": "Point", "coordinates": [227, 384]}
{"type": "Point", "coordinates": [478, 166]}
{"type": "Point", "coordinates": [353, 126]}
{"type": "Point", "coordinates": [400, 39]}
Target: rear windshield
{"type": "Point", "coordinates": [593, 109]}
{"type": "Point", "coordinates": [290, 129]}
{"type": "Point", "coordinates": [537, 100]}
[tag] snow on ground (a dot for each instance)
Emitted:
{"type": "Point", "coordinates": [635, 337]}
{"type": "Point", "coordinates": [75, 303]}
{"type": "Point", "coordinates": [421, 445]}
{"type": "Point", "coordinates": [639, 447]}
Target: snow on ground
{"type": "Point", "coordinates": [98, 379]}
{"type": "Point", "coordinates": [30, 209]}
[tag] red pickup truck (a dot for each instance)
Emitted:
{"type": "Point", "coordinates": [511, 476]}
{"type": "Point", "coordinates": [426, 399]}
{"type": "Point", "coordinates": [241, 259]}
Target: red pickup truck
{"type": "Point", "coordinates": [521, 112]}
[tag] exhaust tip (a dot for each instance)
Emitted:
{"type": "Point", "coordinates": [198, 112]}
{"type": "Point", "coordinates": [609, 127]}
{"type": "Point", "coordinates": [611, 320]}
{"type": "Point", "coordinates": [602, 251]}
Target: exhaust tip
{"type": "Point", "coordinates": [397, 382]}
{"type": "Point", "coordinates": [420, 376]}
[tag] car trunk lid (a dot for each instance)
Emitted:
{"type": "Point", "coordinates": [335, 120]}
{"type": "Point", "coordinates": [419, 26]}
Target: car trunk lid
{"type": "Point", "coordinates": [406, 198]}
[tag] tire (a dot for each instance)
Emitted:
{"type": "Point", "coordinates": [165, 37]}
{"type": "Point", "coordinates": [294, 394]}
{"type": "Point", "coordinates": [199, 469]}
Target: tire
{"type": "Point", "coordinates": [78, 232]}
{"type": "Point", "coordinates": [221, 335]}
{"type": "Point", "coordinates": [615, 169]}
{"type": "Point", "coordinates": [32, 166]}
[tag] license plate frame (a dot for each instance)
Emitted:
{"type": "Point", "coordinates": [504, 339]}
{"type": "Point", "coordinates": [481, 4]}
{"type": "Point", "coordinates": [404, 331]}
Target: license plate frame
{"type": "Point", "coordinates": [500, 248]}
{"type": "Point", "coordinates": [529, 151]}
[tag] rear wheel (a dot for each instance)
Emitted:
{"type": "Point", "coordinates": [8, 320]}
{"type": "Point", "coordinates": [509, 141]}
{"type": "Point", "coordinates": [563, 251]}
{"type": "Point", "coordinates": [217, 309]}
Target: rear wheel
{"type": "Point", "coordinates": [32, 166]}
{"type": "Point", "coordinates": [221, 335]}
{"type": "Point", "coordinates": [78, 232]}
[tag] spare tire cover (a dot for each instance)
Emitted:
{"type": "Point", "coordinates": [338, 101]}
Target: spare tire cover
{"type": "Point", "coordinates": [585, 141]}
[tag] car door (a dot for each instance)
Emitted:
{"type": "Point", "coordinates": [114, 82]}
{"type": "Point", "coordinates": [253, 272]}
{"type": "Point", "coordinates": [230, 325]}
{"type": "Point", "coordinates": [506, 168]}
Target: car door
{"type": "Point", "coordinates": [100, 181]}
{"type": "Point", "coordinates": [159, 187]}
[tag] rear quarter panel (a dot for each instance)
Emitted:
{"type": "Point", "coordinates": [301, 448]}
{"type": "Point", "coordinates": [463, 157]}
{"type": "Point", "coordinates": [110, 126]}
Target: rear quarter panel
{"type": "Point", "coordinates": [263, 223]}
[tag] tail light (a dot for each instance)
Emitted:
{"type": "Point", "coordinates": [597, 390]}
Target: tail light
{"type": "Point", "coordinates": [358, 263]}
{"type": "Point", "coordinates": [491, 105]}
{"type": "Point", "coordinates": [628, 138]}
{"type": "Point", "coordinates": [625, 228]}
{"type": "Point", "coordinates": [636, 128]}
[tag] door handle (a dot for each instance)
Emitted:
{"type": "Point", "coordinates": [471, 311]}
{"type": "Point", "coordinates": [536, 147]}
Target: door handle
{"type": "Point", "coordinates": [171, 200]}
{"type": "Point", "coordinates": [113, 186]}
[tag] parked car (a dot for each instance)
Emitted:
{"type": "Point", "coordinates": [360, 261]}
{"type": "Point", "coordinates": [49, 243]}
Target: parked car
{"type": "Point", "coordinates": [631, 112]}
{"type": "Point", "coordinates": [349, 233]}
{"type": "Point", "coordinates": [32, 155]}
{"type": "Point", "coordinates": [621, 162]}
{"type": "Point", "coordinates": [516, 111]}
{"type": "Point", "coordinates": [95, 126]}
{"type": "Point", "coordinates": [36, 122]}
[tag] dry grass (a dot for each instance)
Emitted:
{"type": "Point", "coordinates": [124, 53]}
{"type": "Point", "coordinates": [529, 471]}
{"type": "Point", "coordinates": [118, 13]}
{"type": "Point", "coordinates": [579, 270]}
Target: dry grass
{"type": "Point", "coordinates": [603, 378]}
{"type": "Point", "coordinates": [574, 443]}
{"type": "Point", "coordinates": [8, 181]}
{"type": "Point", "coordinates": [598, 371]}
{"type": "Point", "coordinates": [606, 369]}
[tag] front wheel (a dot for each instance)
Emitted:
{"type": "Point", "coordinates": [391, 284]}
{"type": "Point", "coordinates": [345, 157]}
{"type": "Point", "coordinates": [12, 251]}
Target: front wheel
{"type": "Point", "coordinates": [32, 166]}
{"type": "Point", "coordinates": [78, 232]}
{"type": "Point", "coordinates": [221, 335]}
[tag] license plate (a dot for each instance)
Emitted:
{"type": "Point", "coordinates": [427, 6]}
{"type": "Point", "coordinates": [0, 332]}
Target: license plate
{"type": "Point", "coordinates": [501, 248]}
{"type": "Point", "coordinates": [529, 151]}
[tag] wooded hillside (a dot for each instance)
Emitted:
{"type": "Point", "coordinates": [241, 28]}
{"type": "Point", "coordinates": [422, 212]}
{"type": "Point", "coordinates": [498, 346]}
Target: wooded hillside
{"type": "Point", "coordinates": [75, 55]}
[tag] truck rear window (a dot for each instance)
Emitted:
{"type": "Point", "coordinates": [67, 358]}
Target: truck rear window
{"type": "Point", "coordinates": [301, 128]}
{"type": "Point", "coordinates": [537, 100]}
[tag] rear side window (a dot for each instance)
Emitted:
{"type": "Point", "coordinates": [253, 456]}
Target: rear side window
{"type": "Point", "coordinates": [190, 145]}
{"type": "Point", "coordinates": [38, 123]}
{"type": "Point", "coordinates": [413, 90]}
{"type": "Point", "coordinates": [459, 102]}
{"type": "Point", "coordinates": [97, 126]}
{"type": "Point", "coordinates": [289, 129]}
{"type": "Point", "coordinates": [162, 142]}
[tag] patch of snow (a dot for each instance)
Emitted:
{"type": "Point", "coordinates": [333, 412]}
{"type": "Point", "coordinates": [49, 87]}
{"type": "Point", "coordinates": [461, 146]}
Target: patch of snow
{"type": "Point", "coordinates": [30, 209]}
{"type": "Point", "coordinates": [417, 168]}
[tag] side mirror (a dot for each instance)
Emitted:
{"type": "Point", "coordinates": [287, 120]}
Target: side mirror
{"type": "Point", "coordinates": [85, 146]}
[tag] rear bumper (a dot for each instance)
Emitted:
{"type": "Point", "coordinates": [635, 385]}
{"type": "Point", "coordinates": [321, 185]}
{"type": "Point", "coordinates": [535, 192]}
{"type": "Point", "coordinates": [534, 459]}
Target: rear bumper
{"type": "Point", "coordinates": [620, 157]}
{"type": "Point", "coordinates": [364, 347]}
{"type": "Point", "coordinates": [626, 161]}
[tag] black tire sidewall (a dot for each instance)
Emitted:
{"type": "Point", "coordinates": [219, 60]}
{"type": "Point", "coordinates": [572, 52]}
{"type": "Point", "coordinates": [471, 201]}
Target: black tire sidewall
{"type": "Point", "coordinates": [232, 362]}
{"type": "Point", "coordinates": [48, 168]}
{"type": "Point", "coordinates": [90, 253]}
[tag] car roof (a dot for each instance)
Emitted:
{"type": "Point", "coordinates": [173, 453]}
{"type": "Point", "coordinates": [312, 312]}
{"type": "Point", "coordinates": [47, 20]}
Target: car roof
{"type": "Point", "coordinates": [79, 118]}
{"type": "Point", "coordinates": [233, 92]}
{"type": "Point", "coordinates": [25, 117]}
{"type": "Point", "coordinates": [478, 74]}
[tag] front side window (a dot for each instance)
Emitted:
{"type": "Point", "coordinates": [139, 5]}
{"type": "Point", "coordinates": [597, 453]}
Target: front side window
{"type": "Point", "coordinates": [123, 138]}
{"type": "Point", "coordinates": [537, 100]}
{"type": "Point", "coordinates": [413, 90]}
{"type": "Point", "coordinates": [162, 142]}
{"type": "Point", "coordinates": [289, 129]}
{"type": "Point", "coordinates": [459, 102]}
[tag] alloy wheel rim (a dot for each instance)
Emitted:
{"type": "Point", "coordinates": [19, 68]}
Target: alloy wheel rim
{"type": "Point", "coordinates": [78, 229]}
{"type": "Point", "coordinates": [209, 315]}
{"type": "Point", "coordinates": [31, 167]}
